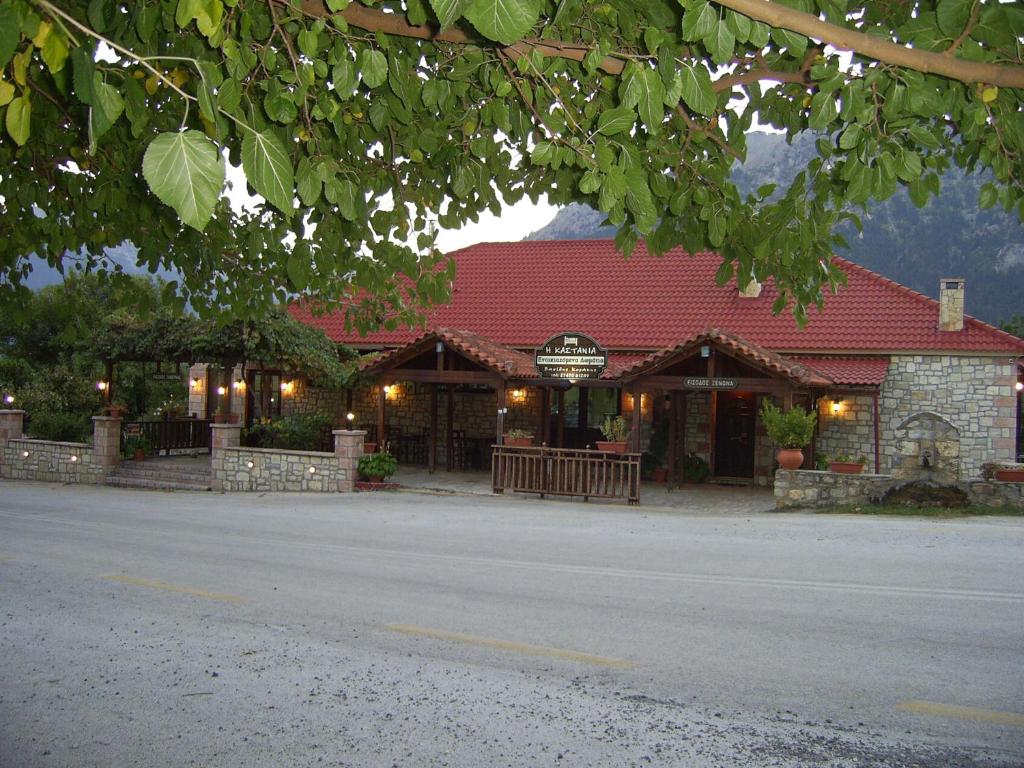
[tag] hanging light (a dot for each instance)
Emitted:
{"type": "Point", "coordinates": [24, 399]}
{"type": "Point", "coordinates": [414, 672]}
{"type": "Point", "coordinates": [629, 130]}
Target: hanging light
{"type": "Point", "coordinates": [102, 386]}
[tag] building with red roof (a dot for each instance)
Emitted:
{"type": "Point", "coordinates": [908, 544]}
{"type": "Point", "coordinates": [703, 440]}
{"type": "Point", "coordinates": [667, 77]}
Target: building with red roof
{"type": "Point", "coordinates": [686, 361]}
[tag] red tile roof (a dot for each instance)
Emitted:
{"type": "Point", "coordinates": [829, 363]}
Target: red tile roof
{"type": "Point", "coordinates": [758, 355]}
{"type": "Point", "coordinates": [851, 371]}
{"type": "Point", "coordinates": [488, 353]}
{"type": "Point", "coordinates": [519, 294]}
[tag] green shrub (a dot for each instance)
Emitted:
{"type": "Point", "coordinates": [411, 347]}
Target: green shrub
{"type": "Point", "coordinates": [380, 464]}
{"type": "Point", "coordinates": [300, 432]}
{"type": "Point", "coordinates": [135, 443]}
{"type": "Point", "coordinates": [60, 426]}
{"type": "Point", "coordinates": [695, 468]}
{"type": "Point", "coordinates": [792, 429]}
{"type": "Point", "coordinates": [615, 429]}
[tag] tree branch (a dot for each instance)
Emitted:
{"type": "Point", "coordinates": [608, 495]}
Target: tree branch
{"type": "Point", "coordinates": [772, 13]}
{"type": "Point", "coordinates": [885, 51]}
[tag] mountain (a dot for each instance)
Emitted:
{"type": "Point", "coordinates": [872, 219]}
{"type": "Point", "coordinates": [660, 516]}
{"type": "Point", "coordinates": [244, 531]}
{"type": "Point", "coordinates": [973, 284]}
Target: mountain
{"type": "Point", "coordinates": [950, 237]}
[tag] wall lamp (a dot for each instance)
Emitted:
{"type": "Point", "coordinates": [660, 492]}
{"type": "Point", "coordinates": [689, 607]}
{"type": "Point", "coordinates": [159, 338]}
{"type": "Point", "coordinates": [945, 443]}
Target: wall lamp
{"type": "Point", "coordinates": [196, 384]}
{"type": "Point", "coordinates": [837, 406]}
{"type": "Point", "coordinates": [222, 390]}
{"type": "Point", "coordinates": [8, 399]}
{"type": "Point", "coordinates": [518, 395]}
{"type": "Point", "coordinates": [1019, 386]}
{"type": "Point", "coordinates": [102, 386]}
{"type": "Point", "coordinates": [391, 391]}
{"type": "Point", "coordinates": [239, 385]}
{"type": "Point", "coordinates": [287, 387]}
{"type": "Point", "coordinates": [350, 417]}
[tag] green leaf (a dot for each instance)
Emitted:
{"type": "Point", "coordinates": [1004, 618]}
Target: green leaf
{"type": "Point", "coordinates": [953, 15]}
{"type": "Point", "coordinates": [309, 43]}
{"type": "Point", "coordinates": [6, 92]}
{"type": "Point", "coordinates": [645, 89]}
{"type": "Point", "coordinates": [615, 120]}
{"type": "Point", "coordinates": [448, 11]}
{"type": "Point", "coordinates": [9, 35]}
{"type": "Point", "coordinates": [207, 107]}
{"type": "Point", "coordinates": [851, 137]}
{"type": "Point", "coordinates": [988, 195]}
{"type": "Point", "coordinates": [82, 74]}
{"type": "Point", "coordinates": [101, 14]}
{"type": "Point", "coordinates": [107, 107]}
{"type": "Point", "coordinates": [186, 172]}
{"type": "Point", "coordinates": [373, 66]}
{"type": "Point", "coordinates": [267, 167]}
{"type": "Point", "coordinates": [699, 21]}
{"type": "Point", "coordinates": [299, 270]}
{"type": "Point", "coordinates": [503, 20]}
{"type": "Point", "coordinates": [229, 95]}
{"type": "Point", "coordinates": [308, 183]}
{"type": "Point", "coordinates": [19, 119]}
{"type": "Point", "coordinates": [54, 51]}
{"type": "Point", "coordinates": [823, 110]}
{"type": "Point", "coordinates": [698, 92]}
{"type": "Point", "coordinates": [721, 43]}
{"type": "Point", "coordinates": [908, 166]}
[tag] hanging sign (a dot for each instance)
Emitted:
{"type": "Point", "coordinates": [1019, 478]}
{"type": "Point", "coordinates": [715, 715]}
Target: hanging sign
{"type": "Point", "coordinates": [570, 356]}
{"type": "Point", "coordinates": [702, 382]}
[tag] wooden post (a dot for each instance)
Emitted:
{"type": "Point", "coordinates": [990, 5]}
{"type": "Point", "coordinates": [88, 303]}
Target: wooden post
{"type": "Point", "coordinates": [712, 416]}
{"type": "Point", "coordinates": [381, 397]}
{"type": "Point", "coordinates": [634, 436]}
{"type": "Point", "coordinates": [561, 418]}
{"type": "Point", "coordinates": [449, 420]}
{"type": "Point", "coordinates": [499, 391]}
{"type": "Point", "coordinates": [542, 398]}
{"type": "Point", "coordinates": [545, 415]}
{"type": "Point", "coordinates": [673, 435]}
{"type": "Point", "coordinates": [878, 451]}
{"type": "Point", "coordinates": [432, 447]}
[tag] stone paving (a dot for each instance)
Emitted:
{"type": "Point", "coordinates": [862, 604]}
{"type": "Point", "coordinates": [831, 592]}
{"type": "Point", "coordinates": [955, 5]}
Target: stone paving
{"type": "Point", "coordinates": [706, 498]}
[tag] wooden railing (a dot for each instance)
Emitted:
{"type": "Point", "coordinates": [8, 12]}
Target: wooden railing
{"type": "Point", "coordinates": [170, 434]}
{"type": "Point", "coordinates": [566, 472]}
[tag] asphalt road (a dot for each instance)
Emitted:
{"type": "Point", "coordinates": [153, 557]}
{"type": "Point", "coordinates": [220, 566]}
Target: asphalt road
{"type": "Point", "coordinates": [174, 629]}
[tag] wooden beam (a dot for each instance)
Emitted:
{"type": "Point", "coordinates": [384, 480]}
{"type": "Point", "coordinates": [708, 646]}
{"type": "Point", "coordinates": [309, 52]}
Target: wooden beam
{"type": "Point", "coordinates": [423, 375]}
{"type": "Point", "coordinates": [560, 395]}
{"type": "Point", "coordinates": [502, 405]}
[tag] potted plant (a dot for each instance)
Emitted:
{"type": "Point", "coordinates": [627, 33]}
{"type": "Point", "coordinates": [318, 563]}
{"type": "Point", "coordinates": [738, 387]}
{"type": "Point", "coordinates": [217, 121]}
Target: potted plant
{"type": "Point", "coordinates": [616, 435]}
{"type": "Point", "coordinates": [846, 464]}
{"type": "Point", "coordinates": [136, 447]}
{"type": "Point", "coordinates": [790, 430]}
{"type": "Point", "coordinates": [369, 447]}
{"type": "Point", "coordinates": [518, 438]}
{"type": "Point", "coordinates": [695, 468]}
{"type": "Point", "coordinates": [117, 409]}
{"type": "Point", "coordinates": [377, 467]}
{"type": "Point", "coordinates": [1009, 473]}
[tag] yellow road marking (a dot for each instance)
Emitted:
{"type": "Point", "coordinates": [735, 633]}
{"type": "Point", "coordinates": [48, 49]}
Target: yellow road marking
{"type": "Point", "coordinates": [507, 645]}
{"type": "Point", "coordinates": [137, 582]}
{"type": "Point", "coordinates": [962, 713]}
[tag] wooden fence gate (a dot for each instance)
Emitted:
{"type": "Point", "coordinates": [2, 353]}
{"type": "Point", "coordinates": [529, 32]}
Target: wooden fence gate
{"type": "Point", "coordinates": [566, 472]}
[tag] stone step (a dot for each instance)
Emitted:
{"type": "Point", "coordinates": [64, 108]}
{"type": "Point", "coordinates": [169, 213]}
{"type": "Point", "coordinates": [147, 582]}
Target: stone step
{"type": "Point", "coordinates": [122, 481]}
{"type": "Point", "coordinates": [153, 469]}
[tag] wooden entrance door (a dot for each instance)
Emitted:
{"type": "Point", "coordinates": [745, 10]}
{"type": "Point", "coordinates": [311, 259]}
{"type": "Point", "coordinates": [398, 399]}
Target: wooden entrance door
{"type": "Point", "coordinates": [734, 435]}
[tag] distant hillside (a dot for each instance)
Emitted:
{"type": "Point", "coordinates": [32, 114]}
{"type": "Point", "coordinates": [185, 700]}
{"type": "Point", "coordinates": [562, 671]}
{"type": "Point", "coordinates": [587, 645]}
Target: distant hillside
{"type": "Point", "coordinates": [951, 237]}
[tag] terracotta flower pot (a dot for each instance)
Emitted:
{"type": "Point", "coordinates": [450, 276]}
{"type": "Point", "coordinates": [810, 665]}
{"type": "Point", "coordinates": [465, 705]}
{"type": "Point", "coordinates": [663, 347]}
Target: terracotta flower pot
{"type": "Point", "coordinates": [612, 446]}
{"type": "Point", "coordinates": [518, 442]}
{"type": "Point", "coordinates": [369, 447]}
{"type": "Point", "coordinates": [139, 455]}
{"type": "Point", "coordinates": [846, 467]}
{"type": "Point", "coordinates": [375, 478]}
{"type": "Point", "coordinates": [116, 411]}
{"type": "Point", "coordinates": [1010, 475]}
{"type": "Point", "coordinates": [661, 474]}
{"type": "Point", "coordinates": [790, 458]}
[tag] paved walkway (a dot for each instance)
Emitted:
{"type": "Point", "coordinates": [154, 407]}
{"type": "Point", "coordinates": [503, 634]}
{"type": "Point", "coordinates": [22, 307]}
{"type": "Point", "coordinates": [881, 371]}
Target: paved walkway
{"type": "Point", "coordinates": [704, 498]}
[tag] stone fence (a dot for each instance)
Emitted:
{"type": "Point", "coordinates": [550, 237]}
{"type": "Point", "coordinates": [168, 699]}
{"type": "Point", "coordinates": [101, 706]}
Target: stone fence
{"type": "Point", "coordinates": [234, 468]}
{"type": "Point", "coordinates": [52, 461]}
{"type": "Point", "coordinates": [812, 489]}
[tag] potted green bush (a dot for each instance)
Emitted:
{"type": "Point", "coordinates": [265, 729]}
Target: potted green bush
{"type": "Point", "coordinates": [695, 468]}
{"type": "Point", "coordinates": [377, 467]}
{"type": "Point", "coordinates": [847, 464]}
{"type": "Point", "coordinates": [136, 447]}
{"type": "Point", "coordinates": [616, 435]}
{"type": "Point", "coordinates": [790, 430]}
{"type": "Point", "coordinates": [518, 438]}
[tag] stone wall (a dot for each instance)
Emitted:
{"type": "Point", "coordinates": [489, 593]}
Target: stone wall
{"type": "Point", "coordinates": [51, 462]}
{"type": "Point", "coordinates": [234, 468]}
{"type": "Point", "coordinates": [975, 395]}
{"type": "Point", "coordinates": [810, 489]}
{"type": "Point", "coordinates": [267, 469]}
{"type": "Point", "coordinates": [850, 432]}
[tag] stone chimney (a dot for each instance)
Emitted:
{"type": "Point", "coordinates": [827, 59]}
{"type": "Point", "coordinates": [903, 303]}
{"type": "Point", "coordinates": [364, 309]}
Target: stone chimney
{"type": "Point", "coordinates": [752, 291]}
{"type": "Point", "coordinates": [951, 304]}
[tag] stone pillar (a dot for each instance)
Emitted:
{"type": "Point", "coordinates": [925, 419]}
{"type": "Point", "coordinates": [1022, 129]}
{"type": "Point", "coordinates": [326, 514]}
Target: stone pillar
{"type": "Point", "coordinates": [223, 436]}
{"type": "Point", "coordinates": [12, 423]}
{"type": "Point", "coordinates": [348, 449]}
{"type": "Point", "coordinates": [106, 442]}
{"type": "Point", "coordinates": [197, 390]}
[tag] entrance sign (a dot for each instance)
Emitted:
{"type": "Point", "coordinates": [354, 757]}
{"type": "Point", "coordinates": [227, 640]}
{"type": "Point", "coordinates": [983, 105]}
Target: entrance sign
{"type": "Point", "coordinates": [570, 356]}
{"type": "Point", "coordinates": [702, 382]}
